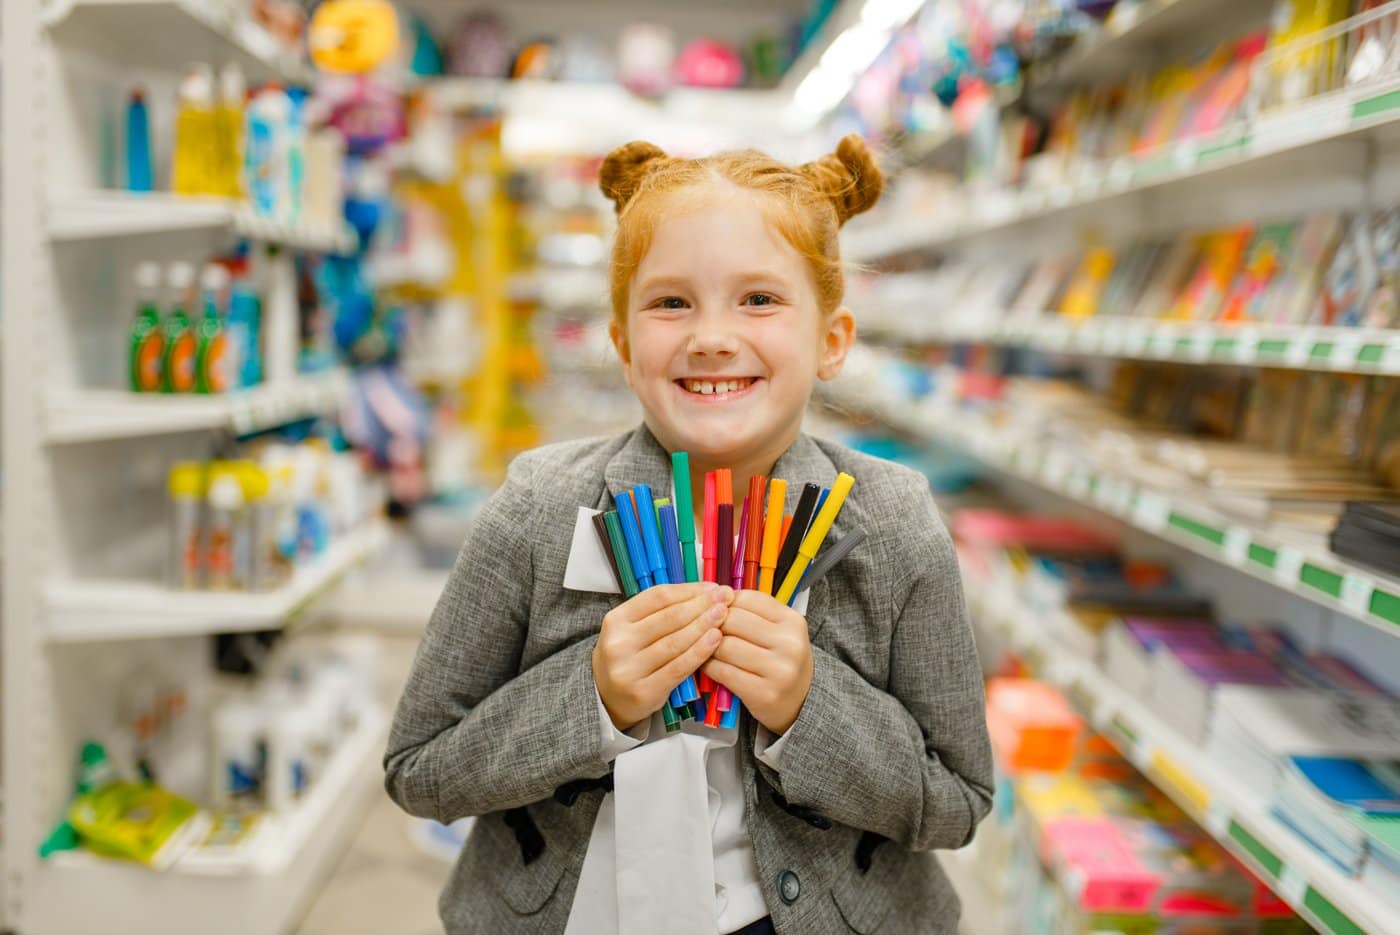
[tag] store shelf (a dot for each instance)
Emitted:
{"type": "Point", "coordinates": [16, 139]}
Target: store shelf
{"type": "Point", "coordinates": [1277, 135]}
{"type": "Point", "coordinates": [170, 34]}
{"type": "Point", "coordinates": [1265, 553]}
{"type": "Point", "coordinates": [89, 215]}
{"type": "Point", "coordinates": [81, 610]}
{"type": "Point", "coordinates": [96, 415]}
{"type": "Point", "coordinates": [268, 894]}
{"type": "Point", "coordinates": [1118, 48]}
{"type": "Point", "coordinates": [1353, 350]}
{"type": "Point", "coordinates": [1232, 812]}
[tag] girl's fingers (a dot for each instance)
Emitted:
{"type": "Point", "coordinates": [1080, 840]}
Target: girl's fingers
{"type": "Point", "coordinates": [671, 674]}
{"type": "Point", "coordinates": [739, 681]}
{"type": "Point", "coordinates": [749, 626]}
{"type": "Point", "coordinates": [763, 605]}
{"type": "Point", "coordinates": [742, 654]}
{"type": "Point", "coordinates": [648, 602]}
{"type": "Point", "coordinates": [671, 619]}
{"type": "Point", "coordinates": [662, 651]}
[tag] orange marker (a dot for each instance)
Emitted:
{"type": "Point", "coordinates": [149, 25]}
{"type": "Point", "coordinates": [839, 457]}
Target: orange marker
{"type": "Point", "coordinates": [753, 535]}
{"type": "Point", "coordinates": [772, 534]}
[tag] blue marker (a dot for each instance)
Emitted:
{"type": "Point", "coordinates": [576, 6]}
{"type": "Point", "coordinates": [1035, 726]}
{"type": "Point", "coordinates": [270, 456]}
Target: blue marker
{"type": "Point", "coordinates": [699, 705]}
{"type": "Point", "coordinates": [651, 536]}
{"type": "Point", "coordinates": [730, 718]}
{"type": "Point", "coordinates": [671, 541]}
{"type": "Point", "coordinates": [627, 512]}
{"type": "Point", "coordinates": [821, 499]}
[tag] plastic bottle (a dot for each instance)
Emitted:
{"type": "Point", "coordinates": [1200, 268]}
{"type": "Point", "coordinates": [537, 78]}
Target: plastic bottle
{"type": "Point", "coordinates": [294, 155]}
{"type": "Point", "coordinates": [214, 354]}
{"type": "Point", "coordinates": [244, 329]}
{"type": "Point", "coordinates": [262, 529]}
{"type": "Point", "coordinates": [228, 131]}
{"type": "Point", "coordinates": [147, 348]}
{"type": "Point", "coordinates": [177, 365]}
{"type": "Point", "coordinates": [239, 732]}
{"type": "Point", "coordinates": [196, 146]}
{"type": "Point", "coordinates": [226, 526]}
{"type": "Point", "coordinates": [187, 492]}
{"type": "Point", "coordinates": [139, 177]}
{"type": "Point", "coordinates": [264, 150]}
{"type": "Point", "coordinates": [290, 739]}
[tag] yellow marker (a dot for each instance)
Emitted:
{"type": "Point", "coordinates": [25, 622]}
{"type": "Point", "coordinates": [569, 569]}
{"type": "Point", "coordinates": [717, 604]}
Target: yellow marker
{"type": "Point", "coordinates": [816, 534]}
{"type": "Point", "coordinates": [772, 534]}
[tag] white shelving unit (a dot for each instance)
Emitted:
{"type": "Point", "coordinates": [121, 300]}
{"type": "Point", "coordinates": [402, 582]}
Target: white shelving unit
{"type": "Point", "coordinates": [1326, 133]}
{"type": "Point", "coordinates": [265, 894]}
{"type": "Point", "coordinates": [1235, 814]}
{"type": "Point", "coordinates": [92, 215]}
{"type": "Point", "coordinates": [96, 610]}
{"type": "Point", "coordinates": [84, 466]}
{"type": "Point", "coordinates": [1299, 347]}
{"type": "Point", "coordinates": [91, 415]}
{"type": "Point", "coordinates": [1184, 519]}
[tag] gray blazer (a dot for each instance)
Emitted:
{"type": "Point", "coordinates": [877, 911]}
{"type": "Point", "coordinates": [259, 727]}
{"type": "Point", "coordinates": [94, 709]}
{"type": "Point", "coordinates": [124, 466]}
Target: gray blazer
{"type": "Point", "coordinates": [888, 759]}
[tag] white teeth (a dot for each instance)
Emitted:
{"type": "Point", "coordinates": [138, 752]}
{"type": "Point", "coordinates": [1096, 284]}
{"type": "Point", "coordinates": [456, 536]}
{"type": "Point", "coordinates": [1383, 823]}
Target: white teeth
{"type": "Point", "coordinates": [709, 387]}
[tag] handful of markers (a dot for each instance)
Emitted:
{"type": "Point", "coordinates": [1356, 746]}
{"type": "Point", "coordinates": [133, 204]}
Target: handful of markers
{"type": "Point", "coordinates": [651, 541]}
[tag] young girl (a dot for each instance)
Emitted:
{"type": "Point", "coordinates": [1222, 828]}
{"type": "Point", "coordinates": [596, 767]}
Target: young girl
{"type": "Point", "coordinates": [862, 745]}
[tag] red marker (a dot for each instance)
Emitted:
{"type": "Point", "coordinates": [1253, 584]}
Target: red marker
{"type": "Point", "coordinates": [736, 570]}
{"type": "Point", "coordinates": [724, 525]}
{"type": "Point", "coordinates": [753, 537]}
{"type": "Point", "coordinates": [711, 528]}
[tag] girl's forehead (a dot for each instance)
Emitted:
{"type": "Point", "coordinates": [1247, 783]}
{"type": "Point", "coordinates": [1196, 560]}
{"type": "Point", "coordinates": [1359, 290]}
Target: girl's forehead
{"type": "Point", "coordinates": [718, 220]}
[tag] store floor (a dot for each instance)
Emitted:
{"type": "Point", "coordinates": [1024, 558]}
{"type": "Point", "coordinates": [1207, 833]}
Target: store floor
{"type": "Point", "coordinates": [385, 882]}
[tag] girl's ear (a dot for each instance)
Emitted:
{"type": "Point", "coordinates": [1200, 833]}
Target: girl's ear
{"type": "Point", "coordinates": [618, 334]}
{"type": "Point", "coordinates": [837, 338]}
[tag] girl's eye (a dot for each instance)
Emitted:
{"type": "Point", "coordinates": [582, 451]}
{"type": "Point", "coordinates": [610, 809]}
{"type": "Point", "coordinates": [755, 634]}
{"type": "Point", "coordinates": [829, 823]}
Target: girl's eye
{"type": "Point", "coordinates": [670, 302]}
{"type": "Point", "coordinates": [760, 299]}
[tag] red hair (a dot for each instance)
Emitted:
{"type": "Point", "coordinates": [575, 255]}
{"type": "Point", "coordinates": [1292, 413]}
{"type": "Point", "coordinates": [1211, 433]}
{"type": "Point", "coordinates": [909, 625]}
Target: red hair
{"type": "Point", "coordinates": [807, 203]}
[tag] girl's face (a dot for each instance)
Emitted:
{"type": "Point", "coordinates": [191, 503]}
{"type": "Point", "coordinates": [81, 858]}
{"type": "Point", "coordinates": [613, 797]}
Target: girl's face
{"type": "Point", "coordinates": [724, 338]}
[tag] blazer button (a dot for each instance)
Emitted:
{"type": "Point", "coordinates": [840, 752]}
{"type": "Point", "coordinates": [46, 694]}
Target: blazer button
{"type": "Point", "coordinates": [789, 887]}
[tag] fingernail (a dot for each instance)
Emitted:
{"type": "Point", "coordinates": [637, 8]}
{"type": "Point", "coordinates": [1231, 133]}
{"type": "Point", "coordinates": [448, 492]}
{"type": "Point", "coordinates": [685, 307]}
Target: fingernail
{"type": "Point", "coordinates": [726, 593]}
{"type": "Point", "coordinates": [717, 612]}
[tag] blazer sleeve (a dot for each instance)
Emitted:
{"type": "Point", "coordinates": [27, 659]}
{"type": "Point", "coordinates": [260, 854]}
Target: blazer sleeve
{"type": "Point", "coordinates": [913, 763]}
{"type": "Point", "coordinates": [473, 734]}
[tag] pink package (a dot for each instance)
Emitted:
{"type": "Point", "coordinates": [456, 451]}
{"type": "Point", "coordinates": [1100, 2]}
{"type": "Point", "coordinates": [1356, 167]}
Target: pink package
{"type": "Point", "coordinates": [1095, 851]}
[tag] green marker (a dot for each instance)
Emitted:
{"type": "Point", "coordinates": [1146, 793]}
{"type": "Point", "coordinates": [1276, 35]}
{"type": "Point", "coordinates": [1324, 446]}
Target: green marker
{"type": "Point", "coordinates": [619, 551]}
{"type": "Point", "coordinates": [672, 719]}
{"type": "Point", "coordinates": [685, 512]}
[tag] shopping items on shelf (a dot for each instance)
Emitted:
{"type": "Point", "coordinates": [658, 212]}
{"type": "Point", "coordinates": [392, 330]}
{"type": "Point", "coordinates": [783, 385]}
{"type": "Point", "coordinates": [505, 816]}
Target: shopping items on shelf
{"type": "Point", "coordinates": [208, 789]}
{"type": "Point", "coordinates": [1086, 844]}
{"type": "Point", "coordinates": [247, 524]}
{"type": "Point", "coordinates": [1250, 697]}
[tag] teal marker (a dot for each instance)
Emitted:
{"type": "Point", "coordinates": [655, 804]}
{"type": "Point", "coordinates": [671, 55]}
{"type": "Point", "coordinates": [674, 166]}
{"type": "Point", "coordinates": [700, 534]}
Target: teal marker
{"type": "Point", "coordinates": [685, 513]}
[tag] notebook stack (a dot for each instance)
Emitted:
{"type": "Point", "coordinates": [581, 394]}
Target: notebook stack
{"type": "Point", "coordinates": [1370, 533]}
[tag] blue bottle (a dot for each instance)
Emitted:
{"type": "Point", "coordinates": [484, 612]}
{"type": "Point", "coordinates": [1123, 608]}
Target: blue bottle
{"type": "Point", "coordinates": [138, 144]}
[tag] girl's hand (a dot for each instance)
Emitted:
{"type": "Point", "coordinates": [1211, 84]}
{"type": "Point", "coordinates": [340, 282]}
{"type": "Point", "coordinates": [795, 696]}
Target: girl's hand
{"type": "Point", "coordinates": [765, 658]}
{"type": "Point", "coordinates": [652, 641]}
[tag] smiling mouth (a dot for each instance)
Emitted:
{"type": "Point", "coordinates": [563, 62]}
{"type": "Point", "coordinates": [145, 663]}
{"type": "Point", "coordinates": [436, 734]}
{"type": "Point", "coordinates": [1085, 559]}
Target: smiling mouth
{"type": "Point", "coordinates": [723, 387]}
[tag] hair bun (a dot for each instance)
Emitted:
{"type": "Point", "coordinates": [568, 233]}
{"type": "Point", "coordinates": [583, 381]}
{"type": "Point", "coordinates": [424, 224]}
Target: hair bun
{"type": "Point", "coordinates": [623, 169]}
{"type": "Point", "coordinates": [849, 177]}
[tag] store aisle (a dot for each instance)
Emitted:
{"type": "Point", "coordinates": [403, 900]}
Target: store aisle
{"type": "Point", "coordinates": [384, 883]}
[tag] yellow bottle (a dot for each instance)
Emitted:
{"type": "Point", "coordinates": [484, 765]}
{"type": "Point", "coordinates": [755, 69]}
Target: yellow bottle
{"type": "Point", "coordinates": [195, 140]}
{"type": "Point", "coordinates": [228, 131]}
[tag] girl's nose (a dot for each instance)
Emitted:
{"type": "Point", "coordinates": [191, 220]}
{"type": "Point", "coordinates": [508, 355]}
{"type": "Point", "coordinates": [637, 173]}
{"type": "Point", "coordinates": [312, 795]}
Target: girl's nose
{"type": "Point", "coordinates": [712, 333]}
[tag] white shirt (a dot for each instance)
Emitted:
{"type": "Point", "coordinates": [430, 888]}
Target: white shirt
{"type": "Point", "coordinates": [738, 889]}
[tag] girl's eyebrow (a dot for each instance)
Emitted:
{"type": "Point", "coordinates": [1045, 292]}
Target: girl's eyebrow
{"type": "Point", "coordinates": [663, 282]}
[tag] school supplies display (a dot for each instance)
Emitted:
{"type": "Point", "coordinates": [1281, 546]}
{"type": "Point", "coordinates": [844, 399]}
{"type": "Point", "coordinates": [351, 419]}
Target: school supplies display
{"type": "Point", "coordinates": [650, 541]}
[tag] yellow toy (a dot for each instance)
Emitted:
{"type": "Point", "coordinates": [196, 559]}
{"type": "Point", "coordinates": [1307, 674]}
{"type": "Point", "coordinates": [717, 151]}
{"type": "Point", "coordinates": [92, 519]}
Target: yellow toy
{"type": "Point", "coordinates": [353, 37]}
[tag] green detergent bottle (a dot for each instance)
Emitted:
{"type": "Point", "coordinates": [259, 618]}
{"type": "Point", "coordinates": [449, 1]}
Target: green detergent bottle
{"type": "Point", "coordinates": [180, 339]}
{"type": "Point", "coordinates": [213, 366]}
{"type": "Point", "coordinates": [147, 352]}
